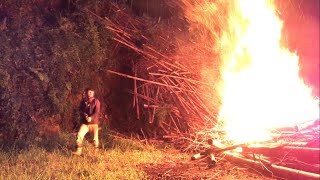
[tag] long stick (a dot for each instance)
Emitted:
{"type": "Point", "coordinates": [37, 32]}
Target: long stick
{"type": "Point", "coordinates": [178, 77]}
{"type": "Point", "coordinates": [134, 86]}
{"type": "Point", "coordinates": [305, 154]}
{"type": "Point", "coordinates": [144, 97]}
{"type": "Point", "coordinates": [136, 94]}
{"type": "Point", "coordinates": [269, 169]}
{"type": "Point", "coordinates": [174, 123]}
{"type": "Point", "coordinates": [144, 80]}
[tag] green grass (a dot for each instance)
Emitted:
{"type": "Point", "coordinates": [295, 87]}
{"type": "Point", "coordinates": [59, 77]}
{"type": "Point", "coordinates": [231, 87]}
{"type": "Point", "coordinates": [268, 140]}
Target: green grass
{"type": "Point", "coordinates": [118, 158]}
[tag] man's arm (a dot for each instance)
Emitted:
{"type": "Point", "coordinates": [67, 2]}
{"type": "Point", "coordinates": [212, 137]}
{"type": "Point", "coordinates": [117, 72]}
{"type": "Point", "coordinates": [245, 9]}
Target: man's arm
{"type": "Point", "coordinates": [82, 112]}
{"type": "Point", "coordinates": [81, 106]}
{"type": "Point", "coordinates": [95, 114]}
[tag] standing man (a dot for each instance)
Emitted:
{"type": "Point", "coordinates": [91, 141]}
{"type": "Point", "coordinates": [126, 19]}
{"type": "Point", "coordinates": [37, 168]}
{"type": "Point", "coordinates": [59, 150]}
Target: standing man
{"type": "Point", "coordinates": [89, 113]}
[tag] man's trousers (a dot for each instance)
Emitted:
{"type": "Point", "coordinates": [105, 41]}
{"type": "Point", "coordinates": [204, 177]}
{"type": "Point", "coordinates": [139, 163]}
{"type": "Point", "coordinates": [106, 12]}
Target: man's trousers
{"type": "Point", "coordinates": [84, 129]}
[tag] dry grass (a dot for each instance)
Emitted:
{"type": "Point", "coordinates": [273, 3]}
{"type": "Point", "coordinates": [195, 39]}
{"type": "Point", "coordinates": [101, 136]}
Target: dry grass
{"type": "Point", "coordinates": [117, 159]}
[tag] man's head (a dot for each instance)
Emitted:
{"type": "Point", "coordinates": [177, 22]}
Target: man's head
{"type": "Point", "coordinates": [90, 92]}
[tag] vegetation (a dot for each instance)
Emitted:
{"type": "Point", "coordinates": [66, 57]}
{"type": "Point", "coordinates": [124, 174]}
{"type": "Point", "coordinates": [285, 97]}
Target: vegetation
{"type": "Point", "coordinates": [118, 158]}
{"type": "Point", "coordinates": [49, 52]}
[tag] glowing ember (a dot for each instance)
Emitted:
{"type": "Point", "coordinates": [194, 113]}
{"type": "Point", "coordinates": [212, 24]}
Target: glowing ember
{"type": "Point", "coordinates": [261, 85]}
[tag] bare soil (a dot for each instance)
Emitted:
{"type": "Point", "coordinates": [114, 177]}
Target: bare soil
{"type": "Point", "coordinates": [177, 166]}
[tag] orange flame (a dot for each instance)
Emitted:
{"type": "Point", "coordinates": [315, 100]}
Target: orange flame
{"type": "Point", "coordinates": [261, 88]}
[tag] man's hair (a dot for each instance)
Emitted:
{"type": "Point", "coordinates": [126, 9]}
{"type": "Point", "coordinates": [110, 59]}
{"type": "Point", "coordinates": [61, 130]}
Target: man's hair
{"type": "Point", "coordinates": [89, 89]}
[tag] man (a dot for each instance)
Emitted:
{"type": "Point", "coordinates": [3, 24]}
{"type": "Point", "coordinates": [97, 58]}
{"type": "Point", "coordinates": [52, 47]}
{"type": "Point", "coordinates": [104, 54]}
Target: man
{"type": "Point", "coordinates": [89, 112]}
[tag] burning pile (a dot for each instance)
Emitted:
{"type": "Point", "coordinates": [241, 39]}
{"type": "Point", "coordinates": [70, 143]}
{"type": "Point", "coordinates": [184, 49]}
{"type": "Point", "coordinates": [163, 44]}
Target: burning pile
{"type": "Point", "coordinates": [290, 153]}
{"type": "Point", "coordinates": [262, 93]}
{"type": "Point", "coordinates": [261, 85]}
{"type": "Point", "coordinates": [256, 84]}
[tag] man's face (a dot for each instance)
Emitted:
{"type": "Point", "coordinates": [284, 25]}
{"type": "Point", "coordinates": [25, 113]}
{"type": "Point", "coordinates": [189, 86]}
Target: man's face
{"type": "Point", "coordinates": [90, 94]}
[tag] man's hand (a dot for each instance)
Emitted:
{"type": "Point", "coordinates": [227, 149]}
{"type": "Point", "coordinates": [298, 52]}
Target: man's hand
{"type": "Point", "coordinates": [89, 119]}
{"type": "Point", "coordinates": [85, 115]}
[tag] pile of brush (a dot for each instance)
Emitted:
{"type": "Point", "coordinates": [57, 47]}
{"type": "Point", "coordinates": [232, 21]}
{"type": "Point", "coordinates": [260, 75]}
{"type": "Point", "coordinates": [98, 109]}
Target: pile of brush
{"type": "Point", "coordinates": [175, 98]}
{"type": "Point", "coordinates": [167, 89]}
{"type": "Point", "coordinates": [293, 153]}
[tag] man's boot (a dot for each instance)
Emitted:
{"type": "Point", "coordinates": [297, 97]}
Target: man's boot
{"type": "Point", "coordinates": [78, 151]}
{"type": "Point", "coordinates": [96, 149]}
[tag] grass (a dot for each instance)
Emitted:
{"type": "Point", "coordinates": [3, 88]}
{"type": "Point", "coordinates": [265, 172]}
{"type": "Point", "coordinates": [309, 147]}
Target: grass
{"type": "Point", "coordinates": [118, 158]}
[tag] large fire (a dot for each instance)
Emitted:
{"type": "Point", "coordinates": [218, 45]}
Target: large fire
{"type": "Point", "coordinates": [261, 88]}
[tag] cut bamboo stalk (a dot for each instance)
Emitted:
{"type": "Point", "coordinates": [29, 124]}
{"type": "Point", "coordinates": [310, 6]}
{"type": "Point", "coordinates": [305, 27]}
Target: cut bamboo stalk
{"type": "Point", "coordinates": [157, 52]}
{"type": "Point", "coordinates": [212, 160]}
{"type": "Point", "coordinates": [144, 80]}
{"type": "Point", "coordinates": [173, 65]}
{"type": "Point", "coordinates": [153, 114]}
{"type": "Point", "coordinates": [176, 112]}
{"type": "Point", "coordinates": [193, 104]}
{"type": "Point", "coordinates": [191, 86]}
{"type": "Point", "coordinates": [148, 110]}
{"type": "Point", "coordinates": [156, 80]}
{"type": "Point", "coordinates": [203, 106]}
{"type": "Point", "coordinates": [171, 137]}
{"type": "Point", "coordinates": [164, 129]}
{"type": "Point", "coordinates": [187, 110]}
{"type": "Point", "coordinates": [136, 95]}
{"type": "Point", "coordinates": [144, 97]}
{"type": "Point", "coordinates": [220, 150]}
{"type": "Point", "coordinates": [134, 86]}
{"type": "Point", "coordinates": [173, 121]}
{"type": "Point", "coordinates": [196, 156]}
{"type": "Point", "coordinates": [178, 97]}
{"type": "Point", "coordinates": [150, 106]}
{"type": "Point", "coordinates": [157, 93]}
{"type": "Point", "coordinates": [271, 169]}
{"type": "Point", "coordinates": [163, 65]}
{"type": "Point", "coordinates": [305, 154]}
{"type": "Point", "coordinates": [152, 65]}
{"type": "Point", "coordinates": [177, 77]}
{"type": "Point", "coordinates": [290, 163]}
{"type": "Point", "coordinates": [178, 121]}
{"type": "Point", "coordinates": [134, 48]}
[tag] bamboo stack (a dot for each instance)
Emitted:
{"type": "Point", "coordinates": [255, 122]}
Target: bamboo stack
{"type": "Point", "coordinates": [290, 154]}
{"type": "Point", "coordinates": [165, 94]}
{"type": "Point", "coordinates": [167, 99]}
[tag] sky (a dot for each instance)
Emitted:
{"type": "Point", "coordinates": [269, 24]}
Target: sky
{"type": "Point", "coordinates": [301, 33]}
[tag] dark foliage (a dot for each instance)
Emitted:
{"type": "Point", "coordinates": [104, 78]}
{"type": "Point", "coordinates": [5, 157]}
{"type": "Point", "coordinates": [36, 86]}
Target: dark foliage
{"type": "Point", "coordinates": [49, 53]}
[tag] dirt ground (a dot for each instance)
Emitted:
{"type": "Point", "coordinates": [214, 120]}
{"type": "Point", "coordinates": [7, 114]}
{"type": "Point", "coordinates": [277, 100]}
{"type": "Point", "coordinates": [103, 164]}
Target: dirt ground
{"type": "Point", "coordinates": [180, 167]}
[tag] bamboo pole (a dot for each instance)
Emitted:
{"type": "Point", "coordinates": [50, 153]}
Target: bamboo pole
{"type": "Point", "coordinates": [157, 52]}
{"type": "Point", "coordinates": [271, 169]}
{"type": "Point", "coordinates": [305, 154]}
{"type": "Point", "coordinates": [136, 95]}
{"type": "Point", "coordinates": [144, 97]}
{"type": "Point", "coordinates": [153, 114]}
{"type": "Point", "coordinates": [176, 96]}
{"type": "Point", "coordinates": [173, 121]}
{"type": "Point", "coordinates": [153, 107]}
{"type": "Point", "coordinates": [150, 106]}
{"type": "Point", "coordinates": [144, 80]}
{"type": "Point", "coordinates": [192, 103]}
{"type": "Point", "coordinates": [163, 65]}
{"type": "Point", "coordinates": [134, 48]}
{"type": "Point", "coordinates": [157, 93]}
{"type": "Point", "coordinates": [156, 80]}
{"type": "Point", "coordinates": [290, 163]}
{"type": "Point", "coordinates": [134, 86]}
